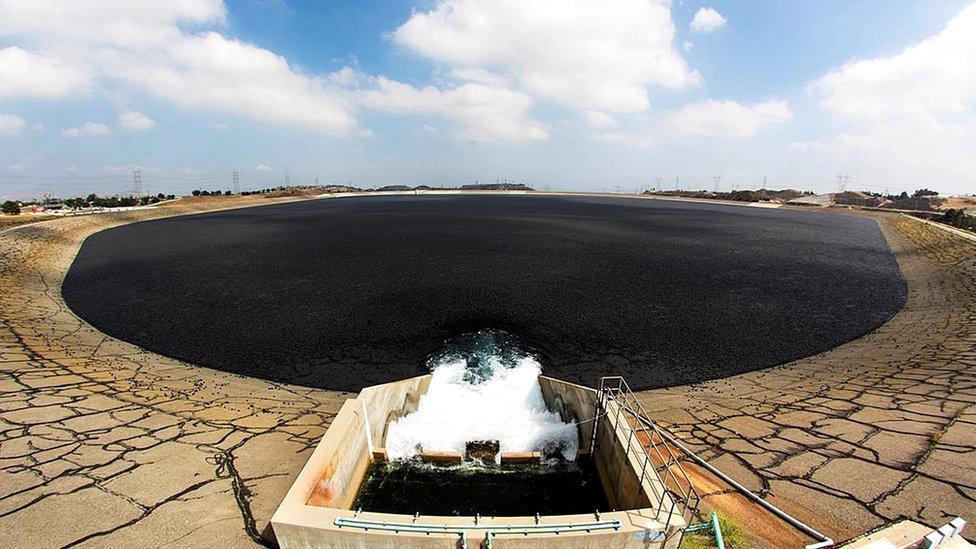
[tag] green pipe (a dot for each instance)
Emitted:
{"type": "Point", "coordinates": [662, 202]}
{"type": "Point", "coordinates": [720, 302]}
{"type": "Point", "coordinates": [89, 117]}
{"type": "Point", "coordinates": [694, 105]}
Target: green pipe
{"type": "Point", "coordinates": [718, 531]}
{"type": "Point", "coordinates": [415, 527]}
{"type": "Point", "coordinates": [492, 530]}
{"type": "Point", "coordinates": [397, 528]}
{"type": "Point", "coordinates": [491, 533]}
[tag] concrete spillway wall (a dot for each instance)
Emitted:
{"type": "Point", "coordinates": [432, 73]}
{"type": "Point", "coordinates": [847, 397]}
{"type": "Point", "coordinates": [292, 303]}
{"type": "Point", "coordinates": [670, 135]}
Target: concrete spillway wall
{"type": "Point", "coordinates": [316, 511]}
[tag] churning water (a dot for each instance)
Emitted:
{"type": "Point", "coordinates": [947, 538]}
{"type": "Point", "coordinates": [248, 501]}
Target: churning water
{"type": "Point", "coordinates": [483, 386]}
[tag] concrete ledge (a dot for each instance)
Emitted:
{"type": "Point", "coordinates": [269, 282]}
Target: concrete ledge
{"type": "Point", "coordinates": [512, 458]}
{"type": "Point", "coordinates": [947, 228]}
{"type": "Point", "coordinates": [441, 458]}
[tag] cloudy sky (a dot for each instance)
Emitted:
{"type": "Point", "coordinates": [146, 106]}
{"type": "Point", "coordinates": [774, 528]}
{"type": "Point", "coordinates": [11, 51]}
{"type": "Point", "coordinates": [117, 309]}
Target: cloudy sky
{"type": "Point", "coordinates": [569, 94]}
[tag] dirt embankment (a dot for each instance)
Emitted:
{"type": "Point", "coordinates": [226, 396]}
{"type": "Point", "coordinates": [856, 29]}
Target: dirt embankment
{"type": "Point", "coordinates": [10, 221]}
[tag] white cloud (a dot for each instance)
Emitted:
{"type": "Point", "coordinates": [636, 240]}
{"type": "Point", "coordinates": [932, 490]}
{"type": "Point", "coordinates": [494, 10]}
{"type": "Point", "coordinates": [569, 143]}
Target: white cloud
{"type": "Point", "coordinates": [637, 140]}
{"type": "Point", "coordinates": [707, 19]}
{"type": "Point", "coordinates": [934, 77]}
{"type": "Point", "coordinates": [141, 45]}
{"type": "Point", "coordinates": [11, 124]}
{"type": "Point", "coordinates": [136, 122]}
{"type": "Point", "coordinates": [909, 153]}
{"type": "Point", "coordinates": [124, 168]}
{"type": "Point", "coordinates": [131, 25]}
{"type": "Point", "coordinates": [589, 55]}
{"type": "Point", "coordinates": [687, 46]}
{"type": "Point", "coordinates": [480, 76]}
{"type": "Point", "coordinates": [804, 146]}
{"type": "Point", "coordinates": [599, 119]}
{"type": "Point", "coordinates": [908, 119]}
{"type": "Point", "coordinates": [210, 71]}
{"type": "Point", "coordinates": [484, 113]}
{"type": "Point", "coordinates": [347, 77]}
{"type": "Point", "coordinates": [263, 168]}
{"type": "Point", "coordinates": [26, 74]}
{"type": "Point", "coordinates": [38, 128]}
{"type": "Point", "coordinates": [88, 129]}
{"type": "Point", "coordinates": [726, 118]}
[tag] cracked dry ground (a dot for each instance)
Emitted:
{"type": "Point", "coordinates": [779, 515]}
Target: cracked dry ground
{"type": "Point", "coordinates": [103, 444]}
{"type": "Point", "coordinates": [878, 429]}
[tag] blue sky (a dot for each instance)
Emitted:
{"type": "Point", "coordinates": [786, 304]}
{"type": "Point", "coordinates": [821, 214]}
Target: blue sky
{"type": "Point", "coordinates": [561, 94]}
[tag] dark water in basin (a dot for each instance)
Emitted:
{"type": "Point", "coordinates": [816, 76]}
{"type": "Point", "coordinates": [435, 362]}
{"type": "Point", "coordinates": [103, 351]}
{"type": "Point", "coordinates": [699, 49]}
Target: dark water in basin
{"type": "Point", "coordinates": [408, 487]}
{"type": "Point", "coordinates": [351, 292]}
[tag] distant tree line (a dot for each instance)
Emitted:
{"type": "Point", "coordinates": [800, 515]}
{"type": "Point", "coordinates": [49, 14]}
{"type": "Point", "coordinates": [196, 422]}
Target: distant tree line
{"type": "Point", "coordinates": [924, 200]}
{"type": "Point", "coordinates": [347, 188]}
{"type": "Point", "coordinates": [197, 192]}
{"type": "Point", "coordinates": [10, 207]}
{"type": "Point", "coordinates": [204, 192]}
{"type": "Point", "coordinates": [95, 201]}
{"type": "Point", "coordinates": [759, 195]}
{"type": "Point", "coordinates": [497, 187]}
{"type": "Point", "coordinates": [957, 217]}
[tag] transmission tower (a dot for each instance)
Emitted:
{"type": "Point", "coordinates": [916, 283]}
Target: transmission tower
{"type": "Point", "coordinates": [237, 182]}
{"type": "Point", "coordinates": [842, 179]}
{"type": "Point", "coordinates": [137, 182]}
{"type": "Point", "coordinates": [718, 182]}
{"type": "Point", "coordinates": [287, 179]}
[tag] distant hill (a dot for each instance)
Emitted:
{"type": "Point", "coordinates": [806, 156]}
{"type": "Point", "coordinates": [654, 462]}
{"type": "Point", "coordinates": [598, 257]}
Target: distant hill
{"type": "Point", "coordinates": [474, 187]}
{"type": "Point", "coordinates": [759, 195]}
{"type": "Point", "coordinates": [497, 187]}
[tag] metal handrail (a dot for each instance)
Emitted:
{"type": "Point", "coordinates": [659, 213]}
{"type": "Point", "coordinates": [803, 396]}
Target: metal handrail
{"type": "Point", "coordinates": [823, 541]}
{"type": "Point", "coordinates": [491, 530]}
{"type": "Point", "coordinates": [675, 482]}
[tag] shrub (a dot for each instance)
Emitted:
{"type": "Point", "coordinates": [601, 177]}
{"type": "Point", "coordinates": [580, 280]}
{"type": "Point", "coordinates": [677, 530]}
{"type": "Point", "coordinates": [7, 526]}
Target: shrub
{"type": "Point", "coordinates": [10, 207]}
{"type": "Point", "coordinates": [958, 218]}
{"type": "Point", "coordinates": [733, 534]}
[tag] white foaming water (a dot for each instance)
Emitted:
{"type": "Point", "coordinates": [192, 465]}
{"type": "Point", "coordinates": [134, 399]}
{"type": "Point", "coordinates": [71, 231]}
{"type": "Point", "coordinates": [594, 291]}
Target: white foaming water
{"type": "Point", "coordinates": [507, 406]}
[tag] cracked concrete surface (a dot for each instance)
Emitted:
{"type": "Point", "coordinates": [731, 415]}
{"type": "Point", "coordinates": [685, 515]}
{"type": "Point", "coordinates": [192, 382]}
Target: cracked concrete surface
{"type": "Point", "coordinates": [878, 429]}
{"type": "Point", "coordinates": [105, 445]}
